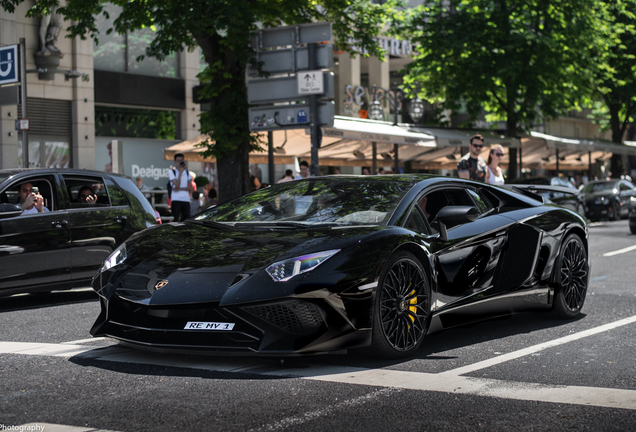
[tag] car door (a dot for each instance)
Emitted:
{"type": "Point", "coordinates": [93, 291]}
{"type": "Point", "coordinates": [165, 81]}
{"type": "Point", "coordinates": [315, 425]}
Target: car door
{"type": "Point", "coordinates": [34, 248]}
{"type": "Point", "coordinates": [470, 262]}
{"type": "Point", "coordinates": [96, 228]}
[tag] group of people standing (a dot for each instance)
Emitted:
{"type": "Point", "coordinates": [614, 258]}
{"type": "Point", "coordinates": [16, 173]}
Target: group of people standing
{"type": "Point", "coordinates": [472, 166]}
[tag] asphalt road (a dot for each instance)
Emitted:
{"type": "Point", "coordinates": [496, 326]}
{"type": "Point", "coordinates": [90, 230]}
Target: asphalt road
{"type": "Point", "coordinates": [527, 372]}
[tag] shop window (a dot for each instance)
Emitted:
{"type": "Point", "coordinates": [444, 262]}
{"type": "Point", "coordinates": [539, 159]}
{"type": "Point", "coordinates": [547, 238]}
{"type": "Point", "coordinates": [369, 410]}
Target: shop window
{"type": "Point", "coordinates": [136, 123]}
{"type": "Point", "coordinates": [49, 135]}
{"type": "Point", "coordinates": [119, 52]}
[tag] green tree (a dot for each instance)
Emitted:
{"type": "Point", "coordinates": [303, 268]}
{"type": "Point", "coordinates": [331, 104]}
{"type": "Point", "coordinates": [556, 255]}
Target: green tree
{"type": "Point", "coordinates": [520, 61]}
{"type": "Point", "coordinates": [615, 78]}
{"type": "Point", "coordinates": [221, 28]}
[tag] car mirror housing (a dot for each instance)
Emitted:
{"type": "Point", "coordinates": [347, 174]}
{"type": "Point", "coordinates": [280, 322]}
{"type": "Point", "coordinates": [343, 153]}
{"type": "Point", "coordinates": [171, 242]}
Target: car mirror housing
{"type": "Point", "coordinates": [451, 216]}
{"type": "Point", "coordinates": [10, 210]}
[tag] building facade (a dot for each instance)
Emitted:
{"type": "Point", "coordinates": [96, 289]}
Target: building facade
{"type": "Point", "coordinates": [103, 109]}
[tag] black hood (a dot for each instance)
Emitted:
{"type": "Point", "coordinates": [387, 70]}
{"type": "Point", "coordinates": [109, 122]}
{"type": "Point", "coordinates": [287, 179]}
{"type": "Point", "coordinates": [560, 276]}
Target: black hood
{"type": "Point", "coordinates": [201, 263]}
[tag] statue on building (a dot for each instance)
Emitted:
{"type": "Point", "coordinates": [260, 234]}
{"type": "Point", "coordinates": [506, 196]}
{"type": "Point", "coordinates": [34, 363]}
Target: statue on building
{"type": "Point", "coordinates": [50, 26]}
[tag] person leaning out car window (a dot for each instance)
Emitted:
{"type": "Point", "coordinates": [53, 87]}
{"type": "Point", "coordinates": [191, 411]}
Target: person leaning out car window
{"type": "Point", "coordinates": [30, 199]}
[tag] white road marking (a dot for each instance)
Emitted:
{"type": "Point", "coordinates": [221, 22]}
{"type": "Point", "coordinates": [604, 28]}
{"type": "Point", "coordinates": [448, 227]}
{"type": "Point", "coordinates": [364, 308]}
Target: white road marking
{"type": "Point", "coordinates": [620, 251]}
{"type": "Point", "coordinates": [296, 421]}
{"type": "Point", "coordinates": [81, 341]}
{"type": "Point", "coordinates": [450, 381]}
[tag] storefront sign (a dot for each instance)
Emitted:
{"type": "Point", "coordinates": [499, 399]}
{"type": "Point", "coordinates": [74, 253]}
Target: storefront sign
{"type": "Point", "coordinates": [394, 47]}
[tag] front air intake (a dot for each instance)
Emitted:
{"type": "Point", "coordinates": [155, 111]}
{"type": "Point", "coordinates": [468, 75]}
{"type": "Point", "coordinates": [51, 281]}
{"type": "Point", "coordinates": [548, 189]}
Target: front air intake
{"type": "Point", "coordinates": [295, 317]}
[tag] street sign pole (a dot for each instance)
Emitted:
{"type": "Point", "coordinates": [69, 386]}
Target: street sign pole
{"type": "Point", "coordinates": [316, 138]}
{"type": "Point", "coordinates": [23, 97]}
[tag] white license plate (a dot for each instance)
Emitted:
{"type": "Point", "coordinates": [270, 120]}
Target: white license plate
{"type": "Point", "coordinates": [196, 325]}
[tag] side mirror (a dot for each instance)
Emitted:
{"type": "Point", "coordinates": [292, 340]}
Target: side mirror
{"type": "Point", "coordinates": [10, 210]}
{"type": "Point", "coordinates": [451, 216]}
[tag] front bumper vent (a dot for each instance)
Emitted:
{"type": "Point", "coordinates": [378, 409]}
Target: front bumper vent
{"type": "Point", "coordinates": [295, 317]}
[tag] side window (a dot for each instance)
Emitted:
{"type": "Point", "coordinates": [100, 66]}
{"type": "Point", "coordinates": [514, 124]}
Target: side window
{"type": "Point", "coordinates": [433, 202]}
{"type": "Point", "coordinates": [458, 197]}
{"type": "Point", "coordinates": [117, 198]}
{"type": "Point", "coordinates": [86, 191]}
{"type": "Point", "coordinates": [415, 222]}
{"type": "Point", "coordinates": [481, 202]}
{"type": "Point", "coordinates": [18, 192]}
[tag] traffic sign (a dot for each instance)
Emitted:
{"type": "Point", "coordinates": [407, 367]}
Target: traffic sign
{"type": "Point", "coordinates": [22, 124]}
{"type": "Point", "coordinates": [293, 60]}
{"type": "Point", "coordinates": [284, 89]}
{"type": "Point", "coordinates": [295, 116]}
{"type": "Point", "coordinates": [310, 82]}
{"type": "Point", "coordinates": [9, 64]}
{"type": "Point", "coordinates": [291, 35]}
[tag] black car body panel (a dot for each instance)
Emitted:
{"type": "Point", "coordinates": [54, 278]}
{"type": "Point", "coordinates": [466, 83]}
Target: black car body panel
{"type": "Point", "coordinates": [210, 284]}
{"type": "Point", "coordinates": [64, 247]}
{"type": "Point", "coordinates": [557, 190]}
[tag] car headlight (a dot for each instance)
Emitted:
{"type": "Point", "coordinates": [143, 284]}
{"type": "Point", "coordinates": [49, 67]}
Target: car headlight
{"type": "Point", "coordinates": [285, 270]}
{"type": "Point", "coordinates": [116, 258]}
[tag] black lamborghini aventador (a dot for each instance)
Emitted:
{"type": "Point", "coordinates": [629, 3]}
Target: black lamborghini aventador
{"type": "Point", "coordinates": [342, 262]}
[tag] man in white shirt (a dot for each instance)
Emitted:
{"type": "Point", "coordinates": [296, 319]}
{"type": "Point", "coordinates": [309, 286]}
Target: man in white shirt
{"type": "Point", "coordinates": [30, 202]}
{"type": "Point", "coordinates": [181, 188]}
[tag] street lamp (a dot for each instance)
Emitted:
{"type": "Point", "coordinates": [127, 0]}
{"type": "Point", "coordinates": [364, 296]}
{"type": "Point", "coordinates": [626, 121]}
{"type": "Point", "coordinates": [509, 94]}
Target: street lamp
{"type": "Point", "coordinates": [395, 97]}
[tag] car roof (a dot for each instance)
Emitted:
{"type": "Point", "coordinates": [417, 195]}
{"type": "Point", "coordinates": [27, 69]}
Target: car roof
{"type": "Point", "coordinates": [14, 171]}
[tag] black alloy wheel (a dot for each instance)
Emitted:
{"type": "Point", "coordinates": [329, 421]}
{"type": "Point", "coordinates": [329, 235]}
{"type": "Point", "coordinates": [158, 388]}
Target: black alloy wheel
{"type": "Point", "coordinates": [572, 278]}
{"type": "Point", "coordinates": [402, 307]}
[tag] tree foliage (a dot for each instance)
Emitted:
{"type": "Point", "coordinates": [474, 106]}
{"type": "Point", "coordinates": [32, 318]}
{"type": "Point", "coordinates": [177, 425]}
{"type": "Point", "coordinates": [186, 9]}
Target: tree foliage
{"type": "Point", "coordinates": [519, 60]}
{"type": "Point", "coordinates": [221, 28]}
{"type": "Point", "coordinates": [615, 78]}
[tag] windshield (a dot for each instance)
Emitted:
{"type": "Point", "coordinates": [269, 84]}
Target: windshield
{"type": "Point", "coordinates": [337, 201]}
{"type": "Point", "coordinates": [600, 187]}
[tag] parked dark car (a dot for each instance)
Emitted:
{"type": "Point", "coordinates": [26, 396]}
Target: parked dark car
{"type": "Point", "coordinates": [342, 262]}
{"type": "Point", "coordinates": [564, 194]}
{"type": "Point", "coordinates": [632, 215]}
{"type": "Point", "coordinates": [608, 199]}
{"type": "Point", "coordinates": [63, 248]}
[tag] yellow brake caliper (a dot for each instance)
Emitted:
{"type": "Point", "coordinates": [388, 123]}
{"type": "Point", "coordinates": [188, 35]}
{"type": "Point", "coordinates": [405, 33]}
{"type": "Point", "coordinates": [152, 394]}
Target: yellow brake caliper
{"type": "Point", "coordinates": [413, 307]}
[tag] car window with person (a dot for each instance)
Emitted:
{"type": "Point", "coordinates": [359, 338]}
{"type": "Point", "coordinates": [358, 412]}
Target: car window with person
{"type": "Point", "coordinates": [84, 216]}
{"type": "Point", "coordinates": [30, 199]}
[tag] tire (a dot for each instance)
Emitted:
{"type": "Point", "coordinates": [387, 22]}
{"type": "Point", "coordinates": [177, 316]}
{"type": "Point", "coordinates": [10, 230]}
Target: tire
{"type": "Point", "coordinates": [572, 278]}
{"type": "Point", "coordinates": [402, 307]}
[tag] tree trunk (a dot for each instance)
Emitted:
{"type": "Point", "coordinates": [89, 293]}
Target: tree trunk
{"type": "Point", "coordinates": [513, 166]}
{"type": "Point", "coordinates": [227, 119]}
{"type": "Point", "coordinates": [617, 165]}
{"type": "Point", "coordinates": [234, 174]}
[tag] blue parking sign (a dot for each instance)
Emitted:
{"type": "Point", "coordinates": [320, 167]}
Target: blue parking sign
{"type": "Point", "coordinates": [301, 117]}
{"type": "Point", "coordinates": [9, 64]}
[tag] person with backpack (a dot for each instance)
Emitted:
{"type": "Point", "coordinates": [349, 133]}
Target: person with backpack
{"type": "Point", "coordinates": [181, 187]}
